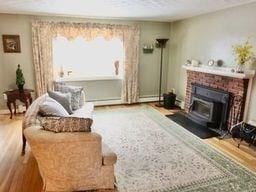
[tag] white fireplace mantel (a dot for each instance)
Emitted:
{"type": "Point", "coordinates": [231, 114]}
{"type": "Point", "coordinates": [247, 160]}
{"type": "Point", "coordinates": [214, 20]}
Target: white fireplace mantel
{"type": "Point", "coordinates": [227, 72]}
{"type": "Point", "coordinates": [222, 71]}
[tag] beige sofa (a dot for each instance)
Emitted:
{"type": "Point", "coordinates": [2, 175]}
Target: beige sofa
{"type": "Point", "coordinates": [69, 161]}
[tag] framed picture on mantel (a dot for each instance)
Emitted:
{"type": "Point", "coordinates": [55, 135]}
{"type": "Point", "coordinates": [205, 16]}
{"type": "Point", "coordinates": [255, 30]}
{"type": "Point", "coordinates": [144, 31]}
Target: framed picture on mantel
{"type": "Point", "coordinates": [11, 43]}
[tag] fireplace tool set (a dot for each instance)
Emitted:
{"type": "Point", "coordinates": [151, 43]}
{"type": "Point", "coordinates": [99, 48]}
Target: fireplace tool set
{"type": "Point", "coordinates": [239, 129]}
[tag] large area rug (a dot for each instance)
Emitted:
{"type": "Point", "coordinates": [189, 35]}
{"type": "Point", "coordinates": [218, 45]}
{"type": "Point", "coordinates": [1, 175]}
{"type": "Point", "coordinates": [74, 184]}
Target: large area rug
{"type": "Point", "coordinates": [156, 154]}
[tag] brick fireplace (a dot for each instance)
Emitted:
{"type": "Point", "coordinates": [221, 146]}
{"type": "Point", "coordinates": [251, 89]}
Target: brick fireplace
{"type": "Point", "coordinates": [237, 85]}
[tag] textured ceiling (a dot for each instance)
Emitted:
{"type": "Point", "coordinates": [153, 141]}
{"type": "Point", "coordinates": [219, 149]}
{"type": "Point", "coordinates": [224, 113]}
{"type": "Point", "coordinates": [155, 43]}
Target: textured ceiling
{"type": "Point", "coordinates": [155, 10]}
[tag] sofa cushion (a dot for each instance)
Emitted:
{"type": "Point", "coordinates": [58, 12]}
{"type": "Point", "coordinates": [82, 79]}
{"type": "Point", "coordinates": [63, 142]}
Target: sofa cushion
{"type": "Point", "coordinates": [85, 111]}
{"type": "Point", "coordinates": [51, 107]}
{"type": "Point", "coordinates": [63, 98]}
{"type": "Point", "coordinates": [66, 124]}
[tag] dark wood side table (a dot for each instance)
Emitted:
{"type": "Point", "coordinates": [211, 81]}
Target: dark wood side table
{"type": "Point", "coordinates": [24, 96]}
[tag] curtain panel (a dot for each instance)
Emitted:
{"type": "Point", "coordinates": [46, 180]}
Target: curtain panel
{"type": "Point", "coordinates": [130, 85]}
{"type": "Point", "coordinates": [42, 57]}
{"type": "Point", "coordinates": [43, 33]}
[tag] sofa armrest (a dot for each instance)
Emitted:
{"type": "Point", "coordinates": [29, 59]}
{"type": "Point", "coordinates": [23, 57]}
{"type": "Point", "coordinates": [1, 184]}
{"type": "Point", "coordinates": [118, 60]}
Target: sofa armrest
{"type": "Point", "coordinates": [108, 156]}
{"type": "Point", "coordinates": [63, 156]}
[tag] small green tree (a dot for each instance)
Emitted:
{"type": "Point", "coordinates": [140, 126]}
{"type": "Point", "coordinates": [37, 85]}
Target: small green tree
{"type": "Point", "coordinates": [20, 81]}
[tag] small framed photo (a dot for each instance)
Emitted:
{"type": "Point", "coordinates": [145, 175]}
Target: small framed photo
{"type": "Point", "coordinates": [11, 43]}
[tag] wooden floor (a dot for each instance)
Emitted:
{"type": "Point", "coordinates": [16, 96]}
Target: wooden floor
{"type": "Point", "coordinates": [20, 173]}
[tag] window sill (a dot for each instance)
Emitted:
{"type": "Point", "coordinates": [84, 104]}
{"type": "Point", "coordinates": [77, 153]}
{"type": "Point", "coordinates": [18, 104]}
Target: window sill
{"type": "Point", "coordinates": [72, 79]}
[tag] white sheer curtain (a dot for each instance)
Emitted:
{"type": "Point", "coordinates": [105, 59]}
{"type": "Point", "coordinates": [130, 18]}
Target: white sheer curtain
{"type": "Point", "coordinates": [43, 33]}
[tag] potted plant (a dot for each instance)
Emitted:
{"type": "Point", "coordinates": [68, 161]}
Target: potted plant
{"type": "Point", "coordinates": [243, 53]}
{"type": "Point", "coordinates": [20, 81]}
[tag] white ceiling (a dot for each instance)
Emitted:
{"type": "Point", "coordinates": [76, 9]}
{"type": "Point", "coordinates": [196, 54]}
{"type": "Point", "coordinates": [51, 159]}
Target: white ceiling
{"type": "Point", "coordinates": [155, 10]}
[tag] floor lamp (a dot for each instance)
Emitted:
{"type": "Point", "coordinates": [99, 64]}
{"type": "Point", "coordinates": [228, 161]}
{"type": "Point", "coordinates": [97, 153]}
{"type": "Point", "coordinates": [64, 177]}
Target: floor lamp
{"type": "Point", "coordinates": [161, 43]}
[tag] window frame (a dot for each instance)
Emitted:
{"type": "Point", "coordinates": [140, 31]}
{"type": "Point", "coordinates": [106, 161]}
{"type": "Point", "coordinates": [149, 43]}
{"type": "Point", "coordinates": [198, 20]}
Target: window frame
{"type": "Point", "coordinates": [72, 78]}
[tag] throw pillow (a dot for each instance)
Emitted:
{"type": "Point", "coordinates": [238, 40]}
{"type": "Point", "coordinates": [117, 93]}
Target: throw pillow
{"type": "Point", "coordinates": [66, 124]}
{"type": "Point", "coordinates": [75, 94]}
{"type": "Point", "coordinates": [75, 97]}
{"type": "Point", "coordinates": [57, 85]}
{"type": "Point", "coordinates": [51, 107]}
{"type": "Point", "coordinates": [63, 98]}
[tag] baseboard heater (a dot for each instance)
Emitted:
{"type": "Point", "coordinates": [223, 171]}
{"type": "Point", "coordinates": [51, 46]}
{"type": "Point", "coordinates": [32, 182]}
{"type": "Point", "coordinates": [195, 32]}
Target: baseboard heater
{"type": "Point", "coordinates": [118, 101]}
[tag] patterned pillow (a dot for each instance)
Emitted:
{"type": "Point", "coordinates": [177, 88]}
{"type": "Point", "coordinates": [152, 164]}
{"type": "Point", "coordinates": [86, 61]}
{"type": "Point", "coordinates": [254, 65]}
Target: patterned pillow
{"type": "Point", "coordinates": [75, 97]}
{"type": "Point", "coordinates": [75, 93]}
{"type": "Point", "coordinates": [66, 124]}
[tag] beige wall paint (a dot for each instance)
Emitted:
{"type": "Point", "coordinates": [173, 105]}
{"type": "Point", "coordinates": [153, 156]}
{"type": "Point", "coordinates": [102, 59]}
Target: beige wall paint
{"type": "Point", "coordinates": [210, 36]}
{"type": "Point", "coordinates": [15, 25]}
{"type": "Point", "coordinates": [111, 89]}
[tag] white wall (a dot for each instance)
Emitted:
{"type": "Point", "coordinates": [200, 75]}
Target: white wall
{"type": "Point", "coordinates": [111, 89]}
{"type": "Point", "coordinates": [210, 36]}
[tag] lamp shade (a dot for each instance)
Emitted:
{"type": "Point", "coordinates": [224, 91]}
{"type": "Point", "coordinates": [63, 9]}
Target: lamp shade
{"type": "Point", "coordinates": [162, 42]}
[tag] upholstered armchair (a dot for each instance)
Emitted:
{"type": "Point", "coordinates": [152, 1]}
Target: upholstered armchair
{"type": "Point", "coordinates": [69, 161]}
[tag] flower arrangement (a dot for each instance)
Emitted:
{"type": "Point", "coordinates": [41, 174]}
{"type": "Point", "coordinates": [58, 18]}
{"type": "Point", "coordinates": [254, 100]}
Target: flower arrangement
{"type": "Point", "coordinates": [243, 52]}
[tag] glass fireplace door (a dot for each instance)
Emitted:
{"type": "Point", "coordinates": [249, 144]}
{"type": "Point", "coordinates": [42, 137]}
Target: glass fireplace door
{"type": "Point", "coordinates": [202, 108]}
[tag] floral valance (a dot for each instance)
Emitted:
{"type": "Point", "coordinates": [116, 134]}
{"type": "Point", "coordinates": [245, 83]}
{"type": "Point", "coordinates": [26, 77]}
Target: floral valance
{"type": "Point", "coordinates": [88, 31]}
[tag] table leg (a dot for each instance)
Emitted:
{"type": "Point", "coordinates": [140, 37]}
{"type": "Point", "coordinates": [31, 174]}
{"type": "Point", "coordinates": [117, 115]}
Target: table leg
{"type": "Point", "coordinates": [30, 100]}
{"type": "Point", "coordinates": [26, 104]}
{"type": "Point", "coordinates": [10, 108]}
{"type": "Point", "coordinates": [23, 144]}
{"type": "Point", "coordinates": [14, 104]}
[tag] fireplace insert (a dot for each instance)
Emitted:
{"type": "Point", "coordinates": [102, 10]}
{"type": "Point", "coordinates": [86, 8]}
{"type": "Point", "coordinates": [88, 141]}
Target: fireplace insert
{"type": "Point", "coordinates": [208, 106]}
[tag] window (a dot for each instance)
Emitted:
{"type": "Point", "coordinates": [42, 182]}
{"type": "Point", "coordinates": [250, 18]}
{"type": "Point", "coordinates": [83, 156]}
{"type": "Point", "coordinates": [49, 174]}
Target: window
{"type": "Point", "coordinates": [79, 59]}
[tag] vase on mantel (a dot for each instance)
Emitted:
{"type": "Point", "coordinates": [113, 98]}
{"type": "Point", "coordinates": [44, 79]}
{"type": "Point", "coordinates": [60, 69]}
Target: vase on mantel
{"type": "Point", "coordinates": [240, 68]}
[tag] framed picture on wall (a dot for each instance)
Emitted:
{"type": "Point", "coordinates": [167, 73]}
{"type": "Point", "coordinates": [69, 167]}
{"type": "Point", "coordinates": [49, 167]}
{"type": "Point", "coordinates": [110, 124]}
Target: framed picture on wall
{"type": "Point", "coordinates": [11, 43]}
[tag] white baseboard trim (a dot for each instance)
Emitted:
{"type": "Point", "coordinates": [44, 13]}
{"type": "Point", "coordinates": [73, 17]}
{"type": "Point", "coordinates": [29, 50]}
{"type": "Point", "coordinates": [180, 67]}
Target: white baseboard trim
{"type": "Point", "coordinates": [20, 109]}
{"type": "Point", "coordinates": [149, 99]}
{"type": "Point", "coordinates": [4, 112]}
{"type": "Point", "coordinates": [109, 102]}
{"type": "Point", "coordinates": [180, 103]}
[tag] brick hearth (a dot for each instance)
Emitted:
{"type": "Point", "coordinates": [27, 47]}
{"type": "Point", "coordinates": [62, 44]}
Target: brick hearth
{"type": "Point", "coordinates": [235, 86]}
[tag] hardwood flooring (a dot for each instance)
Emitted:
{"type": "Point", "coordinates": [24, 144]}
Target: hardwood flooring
{"type": "Point", "coordinates": [17, 173]}
{"type": "Point", "coordinates": [20, 173]}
